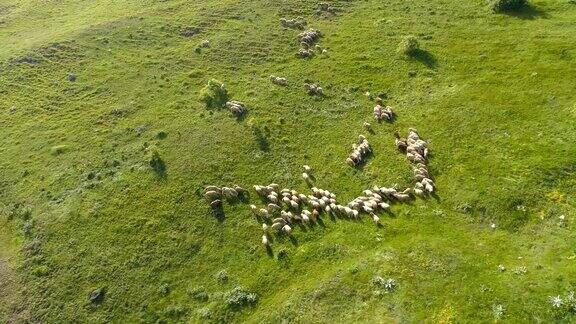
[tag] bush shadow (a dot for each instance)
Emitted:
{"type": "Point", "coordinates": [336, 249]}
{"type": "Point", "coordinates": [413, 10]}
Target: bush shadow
{"type": "Point", "coordinates": [527, 12]}
{"type": "Point", "coordinates": [425, 58]}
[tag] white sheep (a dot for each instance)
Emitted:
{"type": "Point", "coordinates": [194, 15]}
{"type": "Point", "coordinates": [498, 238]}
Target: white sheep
{"type": "Point", "coordinates": [211, 196]}
{"type": "Point", "coordinates": [264, 213]}
{"type": "Point", "coordinates": [294, 204]}
{"type": "Point", "coordinates": [265, 241]}
{"type": "Point", "coordinates": [287, 229]}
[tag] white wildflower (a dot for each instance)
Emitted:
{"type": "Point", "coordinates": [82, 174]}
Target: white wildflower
{"type": "Point", "coordinates": [556, 301]}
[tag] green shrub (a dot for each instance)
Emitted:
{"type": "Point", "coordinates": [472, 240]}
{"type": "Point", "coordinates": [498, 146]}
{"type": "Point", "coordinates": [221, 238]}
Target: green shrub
{"type": "Point", "coordinates": [239, 297]}
{"type": "Point", "coordinates": [222, 276]}
{"type": "Point", "coordinates": [214, 94]}
{"type": "Point", "coordinates": [199, 294]}
{"type": "Point", "coordinates": [408, 45]}
{"type": "Point", "coordinates": [507, 5]}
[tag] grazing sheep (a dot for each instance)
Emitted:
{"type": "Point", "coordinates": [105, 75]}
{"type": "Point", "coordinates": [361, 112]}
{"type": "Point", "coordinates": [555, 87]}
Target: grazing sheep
{"type": "Point", "coordinates": [296, 23]}
{"type": "Point", "coordinates": [325, 8]}
{"type": "Point", "coordinates": [236, 107]}
{"type": "Point", "coordinates": [260, 190]}
{"type": "Point", "coordinates": [254, 209]}
{"type": "Point", "coordinates": [378, 112]}
{"type": "Point", "coordinates": [277, 227]}
{"type": "Point", "coordinates": [279, 80]}
{"type": "Point", "coordinates": [305, 53]}
{"type": "Point", "coordinates": [307, 169]}
{"type": "Point", "coordinates": [229, 193]}
{"type": "Point", "coordinates": [306, 177]}
{"type": "Point", "coordinates": [359, 152]}
{"type": "Point", "coordinates": [287, 229]}
{"type": "Point", "coordinates": [310, 36]}
{"type": "Point", "coordinates": [419, 192]}
{"type": "Point", "coordinates": [212, 188]}
{"type": "Point", "coordinates": [367, 209]}
{"type": "Point", "coordinates": [273, 198]}
{"type": "Point", "coordinates": [384, 206]}
{"type": "Point", "coordinates": [313, 89]}
{"type": "Point", "coordinates": [367, 126]}
{"type": "Point", "coordinates": [264, 213]}
{"type": "Point", "coordinates": [210, 196]}
{"type": "Point", "coordinates": [315, 214]}
{"type": "Point", "coordinates": [375, 218]}
{"type": "Point", "coordinates": [388, 114]}
{"type": "Point", "coordinates": [265, 241]}
{"type": "Point", "coordinates": [294, 204]}
{"type": "Point", "coordinates": [400, 142]}
{"type": "Point", "coordinates": [205, 44]}
{"type": "Point", "coordinates": [216, 204]}
{"type": "Point", "coordinates": [273, 207]}
{"type": "Point", "coordinates": [402, 197]}
{"type": "Point", "coordinates": [239, 190]}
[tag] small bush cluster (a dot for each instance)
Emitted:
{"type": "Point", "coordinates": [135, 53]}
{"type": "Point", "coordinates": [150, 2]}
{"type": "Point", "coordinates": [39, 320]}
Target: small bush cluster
{"type": "Point", "coordinates": [408, 45]}
{"type": "Point", "coordinates": [240, 297]}
{"type": "Point", "coordinates": [566, 303]}
{"type": "Point", "coordinates": [507, 5]}
{"type": "Point", "coordinates": [389, 285]}
{"type": "Point", "coordinates": [214, 94]}
{"type": "Point", "coordinates": [222, 276]}
{"type": "Point", "coordinates": [199, 294]}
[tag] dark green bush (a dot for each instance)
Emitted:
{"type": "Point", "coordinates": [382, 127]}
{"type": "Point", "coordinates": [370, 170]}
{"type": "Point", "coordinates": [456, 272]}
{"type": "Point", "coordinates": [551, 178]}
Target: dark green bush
{"type": "Point", "coordinates": [214, 94]}
{"type": "Point", "coordinates": [507, 5]}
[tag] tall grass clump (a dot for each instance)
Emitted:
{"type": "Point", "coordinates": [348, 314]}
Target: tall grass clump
{"type": "Point", "coordinates": [506, 5]}
{"type": "Point", "coordinates": [214, 94]}
{"type": "Point", "coordinates": [409, 45]}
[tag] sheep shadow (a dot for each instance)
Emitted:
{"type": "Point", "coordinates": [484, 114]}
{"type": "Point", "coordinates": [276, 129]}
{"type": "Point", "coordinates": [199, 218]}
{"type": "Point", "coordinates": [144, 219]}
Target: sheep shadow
{"type": "Point", "coordinates": [269, 251]}
{"type": "Point", "coordinates": [218, 213]}
{"type": "Point", "coordinates": [425, 57]}
{"type": "Point", "coordinates": [360, 166]}
{"type": "Point", "coordinates": [241, 117]}
{"type": "Point", "coordinates": [527, 12]}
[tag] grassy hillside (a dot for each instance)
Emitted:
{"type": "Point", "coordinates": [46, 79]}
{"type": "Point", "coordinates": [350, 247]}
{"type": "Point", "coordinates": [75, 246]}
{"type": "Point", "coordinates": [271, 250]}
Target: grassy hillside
{"type": "Point", "coordinates": [89, 88]}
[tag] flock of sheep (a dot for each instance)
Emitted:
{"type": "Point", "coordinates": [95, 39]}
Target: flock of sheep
{"type": "Point", "coordinates": [214, 195]}
{"type": "Point", "coordinates": [359, 153]}
{"type": "Point", "coordinates": [286, 208]}
{"type": "Point", "coordinates": [296, 23]}
{"type": "Point", "coordinates": [308, 40]}
{"type": "Point", "coordinates": [381, 113]}
{"type": "Point", "coordinates": [416, 151]}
